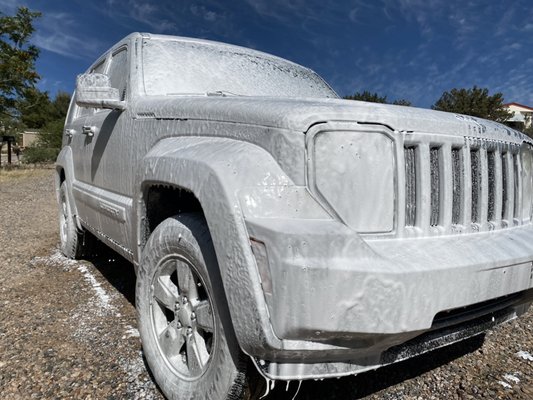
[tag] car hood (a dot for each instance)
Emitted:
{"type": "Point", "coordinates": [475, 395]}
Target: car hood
{"type": "Point", "coordinates": [300, 114]}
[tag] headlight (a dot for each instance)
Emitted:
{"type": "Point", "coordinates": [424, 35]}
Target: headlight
{"type": "Point", "coordinates": [354, 173]}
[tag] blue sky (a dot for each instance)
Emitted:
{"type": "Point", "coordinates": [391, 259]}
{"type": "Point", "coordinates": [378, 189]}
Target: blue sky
{"type": "Point", "coordinates": [412, 49]}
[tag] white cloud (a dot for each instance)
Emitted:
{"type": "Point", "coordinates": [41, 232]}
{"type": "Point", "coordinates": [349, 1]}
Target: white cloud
{"type": "Point", "coordinates": [423, 12]}
{"type": "Point", "coordinates": [283, 11]}
{"type": "Point", "coordinates": [9, 6]}
{"type": "Point", "coordinates": [203, 12]}
{"type": "Point", "coordinates": [298, 12]}
{"type": "Point", "coordinates": [210, 16]}
{"type": "Point", "coordinates": [56, 33]}
{"type": "Point", "coordinates": [149, 14]}
{"type": "Point", "coordinates": [505, 22]}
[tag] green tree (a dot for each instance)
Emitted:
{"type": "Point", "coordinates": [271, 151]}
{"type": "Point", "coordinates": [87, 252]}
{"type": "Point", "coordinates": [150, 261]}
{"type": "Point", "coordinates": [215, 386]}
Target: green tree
{"type": "Point", "coordinates": [367, 96]}
{"type": "Point", "coordinates": [52, 134]}
{"type": "Point", "coordinates": [402, 102]}
{"type": "Point", "coordinates": [476, 102]}
{"type": "Point", "coordinates": [17, 58]}
{"type": "Point", "coordinates": [35, 109]}
{"type": "Point", "coordinates": [49, 142]}
{"type": "Point", "coordinates": [376, 98]}
{"type": "Point", "coordinates": [60, 105]}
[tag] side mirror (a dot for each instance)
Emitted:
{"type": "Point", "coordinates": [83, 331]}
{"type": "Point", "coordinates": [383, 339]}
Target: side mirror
{"type": "Point", "coordinates": [94, 90]}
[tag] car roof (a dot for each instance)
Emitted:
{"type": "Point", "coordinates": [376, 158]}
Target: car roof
{"type": "Point", "coordinates": [229, 46]}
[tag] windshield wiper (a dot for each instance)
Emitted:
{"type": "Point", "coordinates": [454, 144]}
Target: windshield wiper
{"type": "Point", "coordinates": [217, 93]}
{"type": "Point", "coordinates": [183, 94]}
{"type": "Point", "coordinates": [222, 93]}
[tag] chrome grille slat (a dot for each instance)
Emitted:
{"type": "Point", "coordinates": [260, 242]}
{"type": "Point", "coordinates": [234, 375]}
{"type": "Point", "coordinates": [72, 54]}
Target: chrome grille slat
{"type": "Point", "coordinates": [491, 183]}
{"type": "Point", "coordinates": [484, 201]}
{"type": "Point", "coordinates": [446, 186]}
{"type": "Point", "coordinates": [423, 182]}
{"type": "Point", "coordinates": [410, 185]}
{"type": "Point", "coordinates": [517, 189]}
{"type": "Point", "coordinates": [475, 165]}
{"type": "Point", "coordinates": [498, 191]}
{"type": "Point", "coordinates": [457, 185]}
{"type": "Point", "coordinates": [467, 192]}
{"type": "Point", "coordinates": [435, 185]}
{"type": "Point", "coordinates": [506, 190]}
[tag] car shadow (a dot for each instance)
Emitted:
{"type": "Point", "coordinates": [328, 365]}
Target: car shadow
{"type": "Point", "coordinates": [120, 273]}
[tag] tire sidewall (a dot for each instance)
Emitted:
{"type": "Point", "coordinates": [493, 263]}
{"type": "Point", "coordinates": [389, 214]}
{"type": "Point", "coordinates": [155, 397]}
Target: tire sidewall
{"type": "Point", "coordinates": [70, 244]}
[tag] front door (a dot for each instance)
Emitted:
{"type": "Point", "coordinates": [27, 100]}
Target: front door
{"type": "Point", "coordinates": [103, 204]}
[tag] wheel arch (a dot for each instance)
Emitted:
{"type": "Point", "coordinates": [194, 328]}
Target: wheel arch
{"type": "Point", "coordinates": [207, 174]}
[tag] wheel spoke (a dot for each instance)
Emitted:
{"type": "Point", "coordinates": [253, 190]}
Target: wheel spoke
{"type": "Point", "coordinates": [186, 282]}
{"type": "Point", "coordinates": [164, 295]}
{"type": "Point", "coordinates": [197, 355]}
{"type": "Point", "coordinates": [204, 316]}
{"type": "Point", "coordinates": [171, 341]}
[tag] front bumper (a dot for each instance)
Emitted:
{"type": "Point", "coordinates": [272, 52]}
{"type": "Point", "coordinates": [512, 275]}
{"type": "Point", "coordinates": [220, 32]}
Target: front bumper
{"type": "Point", "coordinates": [334, 297]}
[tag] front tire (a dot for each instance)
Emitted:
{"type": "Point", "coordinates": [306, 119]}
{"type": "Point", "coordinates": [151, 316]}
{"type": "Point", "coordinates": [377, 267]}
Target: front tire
{"type": "Point", "coordinates": [186, 345]}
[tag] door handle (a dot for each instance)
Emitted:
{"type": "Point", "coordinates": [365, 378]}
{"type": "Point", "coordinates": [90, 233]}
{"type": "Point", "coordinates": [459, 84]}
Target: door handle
{"type": "Point", "coordinates": [70, 132]}
{"type": "Point", "coordinates": [89, 130]}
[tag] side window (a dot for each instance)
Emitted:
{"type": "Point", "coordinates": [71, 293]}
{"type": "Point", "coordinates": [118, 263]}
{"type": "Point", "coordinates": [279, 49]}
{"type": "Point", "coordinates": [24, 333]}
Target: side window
{"type": "Point", "coordinates": [118, 72]}
{"type": "Point", "coordinates": [99, 69]}
{"type": "Point", "coordinates": [84, 111]}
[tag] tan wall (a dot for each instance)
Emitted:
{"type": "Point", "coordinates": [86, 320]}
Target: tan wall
{"type": "Point", "coordinates": [28, 138]}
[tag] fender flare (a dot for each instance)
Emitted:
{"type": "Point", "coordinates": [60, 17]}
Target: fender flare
{"type": "Point", "coordinates": [214, 170]}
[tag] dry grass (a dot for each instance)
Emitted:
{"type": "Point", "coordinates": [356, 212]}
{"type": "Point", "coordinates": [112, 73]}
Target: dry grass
{"type": "Point", "coordinates": [15, 173]}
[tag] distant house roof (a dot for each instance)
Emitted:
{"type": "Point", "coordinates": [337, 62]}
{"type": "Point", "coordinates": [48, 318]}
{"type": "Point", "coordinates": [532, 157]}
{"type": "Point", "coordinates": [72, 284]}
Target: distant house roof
{"type": "Point", "coordinates": [519, 105]}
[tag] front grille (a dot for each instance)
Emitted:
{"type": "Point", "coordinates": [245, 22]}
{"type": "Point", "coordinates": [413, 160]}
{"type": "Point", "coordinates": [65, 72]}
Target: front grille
{"type": "Point", "coordinates": [470, 186]}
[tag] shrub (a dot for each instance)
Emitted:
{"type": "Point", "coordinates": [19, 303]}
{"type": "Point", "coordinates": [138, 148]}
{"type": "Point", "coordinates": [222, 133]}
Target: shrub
{"type": "Point", "coordinates": [37, 154]}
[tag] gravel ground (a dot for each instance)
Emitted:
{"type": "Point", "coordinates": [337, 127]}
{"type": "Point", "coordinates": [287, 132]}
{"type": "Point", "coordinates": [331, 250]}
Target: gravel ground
{"type": "Point", "coordinates": [67, 328]}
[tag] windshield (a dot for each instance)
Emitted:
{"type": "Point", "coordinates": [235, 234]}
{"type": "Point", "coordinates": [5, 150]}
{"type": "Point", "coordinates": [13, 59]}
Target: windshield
{"type": "Point", "coordinates": [172, 67]}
